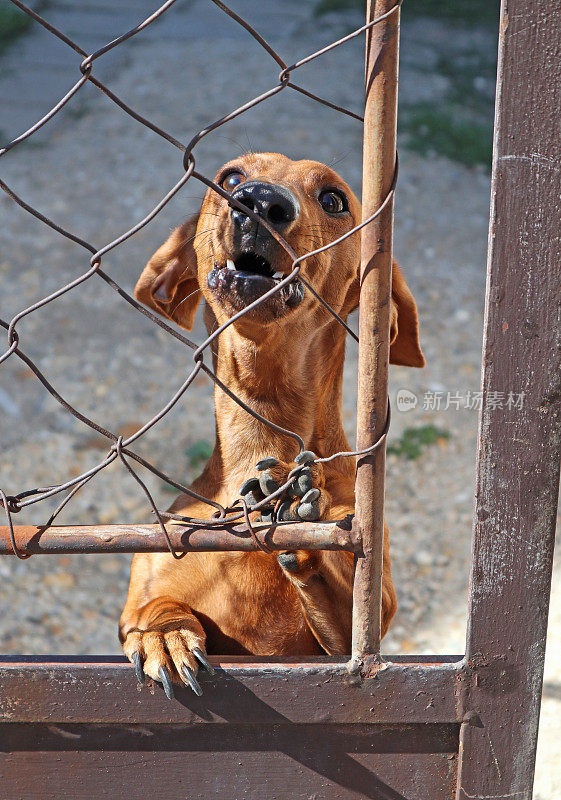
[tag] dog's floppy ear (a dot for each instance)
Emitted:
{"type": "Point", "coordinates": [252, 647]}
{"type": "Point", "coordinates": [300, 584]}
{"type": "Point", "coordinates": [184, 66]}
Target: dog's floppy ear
{"type": "Point", "coordinates": [169, 283]}
{"type": "Point", "coordinates": [405, 348]}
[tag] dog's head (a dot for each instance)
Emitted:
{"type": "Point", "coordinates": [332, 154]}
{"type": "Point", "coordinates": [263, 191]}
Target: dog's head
{"type": "Point", "coordinates": [232, 261]}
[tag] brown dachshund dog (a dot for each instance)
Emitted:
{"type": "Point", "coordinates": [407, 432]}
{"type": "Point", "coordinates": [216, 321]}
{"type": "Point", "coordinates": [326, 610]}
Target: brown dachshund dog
{"type": "Point", "coordinates": [285, 360]}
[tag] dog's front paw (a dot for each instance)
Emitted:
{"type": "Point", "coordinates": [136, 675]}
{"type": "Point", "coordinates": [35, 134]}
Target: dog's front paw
{"type": "Point", "coordinates": [305, 497]}
{"type": "Point", "coordinates": [300, 565]}
{"type": "Point", "coordinates": [169, 652]}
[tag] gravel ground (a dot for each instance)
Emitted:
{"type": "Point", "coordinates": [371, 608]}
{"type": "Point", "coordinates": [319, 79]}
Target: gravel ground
{"type": "Point", "coordinates": [97, 172]}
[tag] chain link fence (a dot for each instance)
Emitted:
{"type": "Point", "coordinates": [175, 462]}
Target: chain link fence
{"type": "Point", "coordinates": [121, 447]}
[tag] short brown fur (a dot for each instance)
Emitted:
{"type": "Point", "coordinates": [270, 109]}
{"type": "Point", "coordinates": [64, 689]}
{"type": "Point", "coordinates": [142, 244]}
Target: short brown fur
{"type": "Point", "coordinates": [289, 368]}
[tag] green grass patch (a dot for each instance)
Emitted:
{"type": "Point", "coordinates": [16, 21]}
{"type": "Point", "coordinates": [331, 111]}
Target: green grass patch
{"type": "Point", "coordinates": [470, 12]}
{"type": "Point", "coordinates": [443, 131]}
{"type": "Point", "coordinates": [167, 487]}
{"type": "Point", "coordinates": [472, 75]}
{"type": "Point", "coordinates": [413, 441]}
{"type": "Point", "coordinates": [325, 6]}
{"type": "Point", "coordinates": [458, 125]}
{"type": "Point", "coordinates": [13, 23]}
{"type": "Point", "coordinates": [198, 453]}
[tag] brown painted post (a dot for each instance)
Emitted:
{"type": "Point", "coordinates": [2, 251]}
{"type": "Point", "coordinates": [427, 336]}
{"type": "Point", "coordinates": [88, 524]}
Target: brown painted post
{"type": "Point", "coordinates": [520, 448]}
{"type": "Point", "coordinates": [380, 121]}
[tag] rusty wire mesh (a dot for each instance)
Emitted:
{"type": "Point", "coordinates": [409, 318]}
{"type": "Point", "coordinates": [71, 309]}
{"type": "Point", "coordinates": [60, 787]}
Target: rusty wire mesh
{"type": "Point", "coordinates": [120, 448]}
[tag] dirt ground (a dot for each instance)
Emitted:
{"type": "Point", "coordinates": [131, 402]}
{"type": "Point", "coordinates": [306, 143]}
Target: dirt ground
{"type": "Point", "coordinates": [97, 172]}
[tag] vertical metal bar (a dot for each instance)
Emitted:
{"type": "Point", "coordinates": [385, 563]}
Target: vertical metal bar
{"type": "Point", "coordinates": [379, 157]}
{"type": "Point", "coordinates": [519, 447]}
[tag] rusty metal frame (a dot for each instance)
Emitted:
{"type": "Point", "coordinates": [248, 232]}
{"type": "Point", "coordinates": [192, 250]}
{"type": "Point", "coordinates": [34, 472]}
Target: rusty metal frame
{"type": "Point", "coordinates": [59, 540]}
{"type": "Point", "coordinates": [378, 176]}
{"type": "Point", "coordinates": [463, 727]}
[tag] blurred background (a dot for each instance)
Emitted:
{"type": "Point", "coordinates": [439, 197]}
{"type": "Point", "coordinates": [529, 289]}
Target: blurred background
{"type": "Point", "coordinates": [97, 172]}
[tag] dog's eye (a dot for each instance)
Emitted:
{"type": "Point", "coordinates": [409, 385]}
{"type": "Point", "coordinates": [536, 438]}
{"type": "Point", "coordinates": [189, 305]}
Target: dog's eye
{"type": "Point", "coordinates": [232, 180]}
{"type": "Point", "coordinates": [333, 202]}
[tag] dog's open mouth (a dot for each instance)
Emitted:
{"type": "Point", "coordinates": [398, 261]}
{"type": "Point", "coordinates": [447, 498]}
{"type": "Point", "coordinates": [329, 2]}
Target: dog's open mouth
{"type": "Point", "coordinates": [247, 277]}
{"type": "Point", "coordinates": [254, 264]}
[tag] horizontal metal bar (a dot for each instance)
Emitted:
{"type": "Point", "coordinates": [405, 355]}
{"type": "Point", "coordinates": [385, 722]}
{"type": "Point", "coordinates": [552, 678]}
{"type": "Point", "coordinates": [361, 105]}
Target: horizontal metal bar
{"type": "Point", "coordinates": [136, 762]}
{"type": "Point", "coordinates": [250, 691]}
{"type": "Point", "coordinates": [63, 539]}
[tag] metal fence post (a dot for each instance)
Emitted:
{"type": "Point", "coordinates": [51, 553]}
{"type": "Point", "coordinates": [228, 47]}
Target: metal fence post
{"type": "Point", "coordinates": [379, 161]}
{"type": "Point", "coordinates": [519, 447]}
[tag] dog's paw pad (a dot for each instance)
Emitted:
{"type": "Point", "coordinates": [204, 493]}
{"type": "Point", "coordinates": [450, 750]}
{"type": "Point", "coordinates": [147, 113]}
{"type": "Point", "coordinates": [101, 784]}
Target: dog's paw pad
{"type": "Point", "coordinates": [249, 486]}
{"type": "Point", "coordinates": [288, 561]}
{"type": "Point", "coordinates": [305, 457]}
{"type": "Point", "coordinates": [266, 463]}
{"type": "Point", "coordinates": [251, 492]}
{"type": "Point", "coordinates": [308, 509]}
{"type": "Point", "coordinates": [308, 512]}
{"type": "Point", "coordinates": [311, 496]}
{"type": "Point", "coordinates": [303, 497]}
{"type": "Point", "coordinates": [285, 513]}
{"type": "Point", "coordinates": [303, 482]}
{"type": "Point", "coordinates": [299, 565]}
{"type": "Point", "coordinates": [267, 483]}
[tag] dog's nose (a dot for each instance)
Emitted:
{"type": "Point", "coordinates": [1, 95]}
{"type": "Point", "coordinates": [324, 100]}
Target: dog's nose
{"type": "Point", "coordinates": [276, 204]}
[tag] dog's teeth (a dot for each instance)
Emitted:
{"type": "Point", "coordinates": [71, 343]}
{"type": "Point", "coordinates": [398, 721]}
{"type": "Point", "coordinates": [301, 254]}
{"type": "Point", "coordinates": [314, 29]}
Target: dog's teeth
{"type": "Point", "coordinates": [230, 264]}
{"type": "Point", "coordinates": [278, 276]}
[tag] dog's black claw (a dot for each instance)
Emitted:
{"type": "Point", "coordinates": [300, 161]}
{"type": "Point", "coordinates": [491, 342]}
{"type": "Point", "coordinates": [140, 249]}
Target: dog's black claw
{"type": "Point", "coordinates": [284, 512]}
{"type": "Point", "coordinates": [203, 660]}
{"type": "Point", "coordinates": [305, 457]}
{"type": "Point", "coordinates": [249, 485]}
{"type": "Point", "coordinates": [288, 561]}
{"type": "Point", "coordinates": [311, 496]}
{"type": "Point", "coordinates": [303, 483]}
{"type": "Point", "coordinates": [137, 661]}
{"type": "Point", "coordinates": [189, 676]}
{"type": "Point", "coordinates": [267, 483]}
{"type": "Point", "coordinates": [309, 512]}
{"type": "Point", "coordinates": [266, 463]}
{"type": "Point", "coordinates": [166, 682]}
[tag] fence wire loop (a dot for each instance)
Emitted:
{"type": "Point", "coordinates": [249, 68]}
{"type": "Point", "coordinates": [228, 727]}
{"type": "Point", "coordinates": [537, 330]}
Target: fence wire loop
{"type": "Point", "coordinates": [251, 530]}
{"type": "Point", "coordinates": [120, 448]}
{"type": "Point", "coordinates": [9, 510]}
